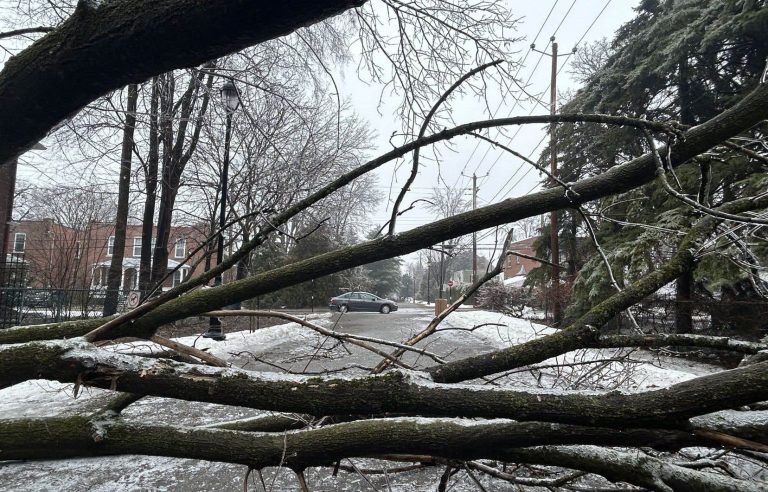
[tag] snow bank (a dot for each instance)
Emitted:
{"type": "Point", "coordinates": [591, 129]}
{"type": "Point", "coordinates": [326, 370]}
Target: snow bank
{"type": "Point", "coordinates": [643, 370]}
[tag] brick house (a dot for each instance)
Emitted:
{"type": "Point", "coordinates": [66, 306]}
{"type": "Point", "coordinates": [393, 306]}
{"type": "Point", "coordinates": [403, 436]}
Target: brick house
{"type": "Point", "coordinates": [62, 257]}
{"type": "Point", "coordinates": [516, 266]}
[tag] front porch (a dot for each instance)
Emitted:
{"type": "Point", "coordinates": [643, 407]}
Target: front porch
{"type": "Point", "coordinates": [129, 277]}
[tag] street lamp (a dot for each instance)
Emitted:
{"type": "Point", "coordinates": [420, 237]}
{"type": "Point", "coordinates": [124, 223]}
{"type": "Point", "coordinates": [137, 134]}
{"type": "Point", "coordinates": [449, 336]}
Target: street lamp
{"type": "Point", "coordinates": [230, 97]}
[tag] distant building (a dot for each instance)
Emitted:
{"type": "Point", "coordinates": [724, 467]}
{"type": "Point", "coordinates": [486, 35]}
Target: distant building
{"type": "Point", "coordinates": [517, 268]}
{"type": "Point", "coordinates": [62, 257]}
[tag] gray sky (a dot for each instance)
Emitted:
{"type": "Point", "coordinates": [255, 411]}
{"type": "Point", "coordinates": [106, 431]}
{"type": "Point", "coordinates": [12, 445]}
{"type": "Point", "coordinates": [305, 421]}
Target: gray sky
{"type": "Point", "coordinates": [500, 176]}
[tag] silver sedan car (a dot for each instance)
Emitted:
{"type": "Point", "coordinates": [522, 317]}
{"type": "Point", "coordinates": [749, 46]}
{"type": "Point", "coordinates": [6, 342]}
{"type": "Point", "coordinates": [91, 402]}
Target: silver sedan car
{"type": "Point", "coordinates": [362, 301]}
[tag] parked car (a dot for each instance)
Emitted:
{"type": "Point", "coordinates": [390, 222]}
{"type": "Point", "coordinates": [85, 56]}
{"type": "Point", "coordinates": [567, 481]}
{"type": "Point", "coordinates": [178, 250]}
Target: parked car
{"type": "Point", "coordinates": [362, 301]}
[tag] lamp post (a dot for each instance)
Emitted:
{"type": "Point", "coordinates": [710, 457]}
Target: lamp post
{"type": "Point", "coordinates": [230, 97]}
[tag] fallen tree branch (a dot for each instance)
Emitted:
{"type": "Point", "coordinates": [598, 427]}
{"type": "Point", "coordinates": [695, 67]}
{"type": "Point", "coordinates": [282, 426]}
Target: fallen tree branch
{"type": "Point", "coordinates": [66, 437]}
{"type": "Point", "coordinates": [424, 441]}
{"type": "Point", "coordinates": [748, 112]}
{"type": "Point", "coordinates": [396, 391]}
{"type": "Point", "coordinates": [641, 470]}
{"type": "Point", "coordinates": [191, 351]}
{"type": "Point", "coordinates": [584, 332]}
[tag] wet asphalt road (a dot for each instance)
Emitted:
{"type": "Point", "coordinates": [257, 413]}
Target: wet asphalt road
{"type": "Point", "coordinates": [396, 326]}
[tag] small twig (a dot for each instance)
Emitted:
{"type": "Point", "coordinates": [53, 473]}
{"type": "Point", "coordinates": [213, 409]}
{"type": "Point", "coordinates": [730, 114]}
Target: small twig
{"type": "Point", "coordinates": [26, 30]}
{"type": "Point", "coordinates": [607, 264]}
{"type": "Point", "coordinates": [566, 186]}
{"type": "Point", "coordinates": [474, 478]}
{"type": "Point", "coordinates": [529, 257]}
{"type": "Point", "coordinates": [733, 441]}
{"type": "Point", "coordinates": [302, 481]}
{"type": "Point", "coordinates": [247, 476]}
{"type": "Point", "coordinates": [359, 472]}
{"type": "Point", "coordinates": [422, 131]}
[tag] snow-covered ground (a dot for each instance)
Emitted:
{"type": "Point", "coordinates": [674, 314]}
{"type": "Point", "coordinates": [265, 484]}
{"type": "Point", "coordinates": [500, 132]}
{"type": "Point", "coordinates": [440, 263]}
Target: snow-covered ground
{"type": "Point", "coordinates": [615, 369]}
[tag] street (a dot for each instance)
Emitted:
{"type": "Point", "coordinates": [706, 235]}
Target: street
{"type": "Point", "coordinates": [396, 326]}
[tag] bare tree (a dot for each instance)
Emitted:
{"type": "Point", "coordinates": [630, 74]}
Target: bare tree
{"type": "Point", "coordinates": [415, 411]}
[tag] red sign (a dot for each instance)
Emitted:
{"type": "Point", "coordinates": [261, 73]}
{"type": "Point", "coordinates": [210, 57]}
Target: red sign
{"type": "Point", "coordinates": [450, 283]}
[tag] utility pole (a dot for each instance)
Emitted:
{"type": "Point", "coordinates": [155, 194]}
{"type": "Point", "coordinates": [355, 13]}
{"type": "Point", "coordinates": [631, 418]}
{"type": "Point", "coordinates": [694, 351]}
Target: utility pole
{"type": "Point", "coordinates": [557, 314]}
{"type": "Point", "coordinates": [474, 234]}
{"type": "Point", "coordinates": [429, 267]}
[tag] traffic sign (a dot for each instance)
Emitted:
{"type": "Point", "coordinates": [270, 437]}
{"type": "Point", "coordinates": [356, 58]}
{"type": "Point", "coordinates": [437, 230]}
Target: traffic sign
{"type": "Point", "coordinates": [450, 283]}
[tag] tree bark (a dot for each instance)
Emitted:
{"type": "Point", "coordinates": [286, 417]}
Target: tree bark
{"type": "Point", "coordinates": [75, 361]}
{"type": "Point", "coordinates": [121, 220]}
{"type": "Point", "coordinates": [148, 217]}
{"type": "Point", "coordinates": [175, 157]}
{"type": "Point", "coordinates": [66, 437]}
{"type": "Point", "coordinates": [684, 283]}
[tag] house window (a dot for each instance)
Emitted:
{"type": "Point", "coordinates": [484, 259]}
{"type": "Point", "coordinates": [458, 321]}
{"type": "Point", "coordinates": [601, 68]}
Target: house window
{"type": "Point", "coordinates": [178, 276]}
{"type": "Point", "coordinates": [137, 246]}
{"type": "Point", "coordinates": [20, 242]}
{"type": "Point", "coordinates": [111, 246]}
{"type": "Point", "coordinates": [181, 248]}
{"type": "Point", "coordinates": [78, 250]}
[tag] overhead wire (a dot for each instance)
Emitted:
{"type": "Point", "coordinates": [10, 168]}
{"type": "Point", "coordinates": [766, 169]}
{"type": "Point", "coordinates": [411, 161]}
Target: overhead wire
{"type": "Point", "coordinates": [517, 99]}
{"type": "Point", "coordinates": [586, 32]}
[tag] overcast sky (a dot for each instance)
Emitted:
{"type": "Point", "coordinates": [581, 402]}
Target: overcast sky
{"type": "Point", "coordinates": [500, 175]}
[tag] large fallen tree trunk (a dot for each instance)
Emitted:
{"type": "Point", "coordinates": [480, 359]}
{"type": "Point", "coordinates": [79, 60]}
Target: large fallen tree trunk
{"type": "Point", "coordinates": [76, 361]}
{"type": "Point", "coordinates": [61, 437]}
{"type": "Point", "coordinates": [106, 45]}
{"type": "Point", "coordinates": [456, 439]}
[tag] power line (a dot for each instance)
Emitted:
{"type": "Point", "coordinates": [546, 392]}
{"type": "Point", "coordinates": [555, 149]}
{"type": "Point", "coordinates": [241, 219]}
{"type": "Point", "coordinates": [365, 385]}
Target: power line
{"type": "Point", "coordinates": [538, 62]}
{"type": "Point", "coordinates": [517, 99]}
{"type": "Point", "coordinates": [586, 32]}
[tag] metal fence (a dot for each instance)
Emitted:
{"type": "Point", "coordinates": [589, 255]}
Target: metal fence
{"type": "Point", "coordinates": [742, 317]}
{"type": "Point", "coordinates": [22, 305]}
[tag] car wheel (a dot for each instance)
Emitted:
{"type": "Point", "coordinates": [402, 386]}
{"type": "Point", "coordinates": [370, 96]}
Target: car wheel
{"type": "Point", "coordinates": [343, 308]}
{"type": "Point", "coordinates": [385, 309]}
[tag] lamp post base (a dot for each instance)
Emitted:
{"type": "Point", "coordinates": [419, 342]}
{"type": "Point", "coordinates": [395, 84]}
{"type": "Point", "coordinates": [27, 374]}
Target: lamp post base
{"type": "Point", "coordinates": [214, 331]}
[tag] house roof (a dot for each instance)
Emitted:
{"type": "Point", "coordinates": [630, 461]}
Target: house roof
{"type": "Point", "coordinates": [516, 281]}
